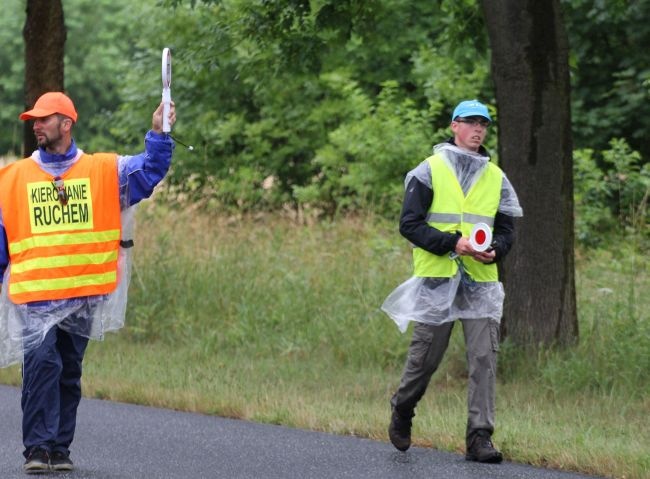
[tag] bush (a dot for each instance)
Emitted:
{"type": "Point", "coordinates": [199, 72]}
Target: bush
{"type": "Point", "coordinates": [611, 199]}
{"type": "Point", "coordinates": [366, 158]}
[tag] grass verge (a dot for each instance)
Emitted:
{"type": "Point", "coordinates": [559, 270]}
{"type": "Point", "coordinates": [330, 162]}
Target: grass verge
{"type": "Point", "coordinates": [277, 323]}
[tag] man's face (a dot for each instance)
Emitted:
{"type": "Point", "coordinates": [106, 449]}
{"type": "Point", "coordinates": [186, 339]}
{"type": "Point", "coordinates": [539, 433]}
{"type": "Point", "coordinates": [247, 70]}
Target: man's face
{"type": "Point", "coordinates": [50, 130]}
{"type": "Point", "coordinates": [469, 132]}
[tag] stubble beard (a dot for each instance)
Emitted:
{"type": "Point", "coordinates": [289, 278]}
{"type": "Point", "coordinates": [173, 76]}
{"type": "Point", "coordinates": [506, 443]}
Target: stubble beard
{"type": "Point", "coordinates": [47, 142]}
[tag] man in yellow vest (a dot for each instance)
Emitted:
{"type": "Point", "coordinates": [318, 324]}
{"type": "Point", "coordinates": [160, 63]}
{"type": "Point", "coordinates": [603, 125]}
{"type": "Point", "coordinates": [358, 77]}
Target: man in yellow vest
{"type": "Point", "coordinates": [446, 196]}
{"type": "Point", "coordinates": [65, 221]}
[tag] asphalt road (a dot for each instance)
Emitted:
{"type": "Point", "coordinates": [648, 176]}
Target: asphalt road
{"type": "Point", "coordinates": [116, 440]}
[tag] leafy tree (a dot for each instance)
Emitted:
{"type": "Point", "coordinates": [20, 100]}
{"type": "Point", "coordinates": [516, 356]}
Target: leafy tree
{"type": "Point", "coordinates": [610, 73]}
{"type": "Point", "coordinates": [530, 69]}
{"type": "Point", "coordinates": [358, 165]}
{"type": "Point", "coordinates": [95, 65]}
{"type": "Point", "coordinates": [93, 69]}
{"type": "Point", "coordinates": [259, 80]}
{"type": "Point", "coordinates": [44, 33]}
{"type": "Point", "coordinates": [12, 66]}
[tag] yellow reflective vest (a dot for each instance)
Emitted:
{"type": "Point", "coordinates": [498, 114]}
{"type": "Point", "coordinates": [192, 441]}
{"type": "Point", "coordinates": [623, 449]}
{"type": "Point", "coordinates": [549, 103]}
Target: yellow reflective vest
{"type": "Point", "coordinates": [451, 210]}
{"type": "Point", "coordinates": [59, 249]}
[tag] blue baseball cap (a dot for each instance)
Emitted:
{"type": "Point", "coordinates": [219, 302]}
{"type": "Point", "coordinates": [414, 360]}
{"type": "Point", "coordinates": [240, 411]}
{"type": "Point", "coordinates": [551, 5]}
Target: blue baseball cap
{"type": "Point", "coordinates": [471, 108]}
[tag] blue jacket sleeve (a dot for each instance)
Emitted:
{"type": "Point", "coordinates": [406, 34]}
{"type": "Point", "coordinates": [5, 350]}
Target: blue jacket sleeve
{"type": "Point", "coordinates": [4, 251]}
{"type": "Point", "coordinates": [140, 174]}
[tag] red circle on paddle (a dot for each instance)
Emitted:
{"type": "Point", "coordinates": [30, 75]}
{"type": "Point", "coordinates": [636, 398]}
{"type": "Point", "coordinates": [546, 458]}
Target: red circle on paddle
{"type": "Point", "coordinates": [480, 237]}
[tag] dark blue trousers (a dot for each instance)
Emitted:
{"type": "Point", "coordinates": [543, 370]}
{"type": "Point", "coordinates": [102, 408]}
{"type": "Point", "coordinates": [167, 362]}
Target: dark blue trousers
{"type": "Point", "coordinates": [52, 391]}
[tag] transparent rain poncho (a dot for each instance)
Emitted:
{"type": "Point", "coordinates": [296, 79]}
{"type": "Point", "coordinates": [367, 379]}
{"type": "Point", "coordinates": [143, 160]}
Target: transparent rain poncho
{"type": "Point", "coordinates": [440, 300]}
{"type": "Point", "coordinates": [24, 326]}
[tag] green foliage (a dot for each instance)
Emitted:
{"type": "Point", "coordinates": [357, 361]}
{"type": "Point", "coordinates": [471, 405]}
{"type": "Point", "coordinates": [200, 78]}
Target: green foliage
{"type": "Point", "coordinates": [97, 53]}
{"type": "Point", "coordinates": [278, 96]}
{"type": "Point", "coordinates": [12, 70]}
{"type": "Point", "coordinates": [610, 73]}
{"type": "Point", "coordinates": [366, 157]}
{"type": "Point", "coordinates": [279, 92]}
{"type": "Point", "coordinates": [325, 104]}
{"type": "Point", "coordinates": [612, 198]}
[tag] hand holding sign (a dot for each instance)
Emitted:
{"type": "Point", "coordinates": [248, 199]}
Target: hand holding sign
{"type": "Point", "coordinates": [481, 237]}
{"type": "Point", "coordinates": [478, 244]}
{"type": "Point", "coordinates": [481, 241]}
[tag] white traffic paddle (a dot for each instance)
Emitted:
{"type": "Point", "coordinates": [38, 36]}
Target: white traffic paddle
{"type": "Point", "coordinates": [167, 94]}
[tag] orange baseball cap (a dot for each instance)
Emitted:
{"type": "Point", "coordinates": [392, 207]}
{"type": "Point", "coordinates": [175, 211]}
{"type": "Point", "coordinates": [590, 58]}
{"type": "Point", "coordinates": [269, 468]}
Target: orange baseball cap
{"type": "Point", "coordinates": [50, 103]}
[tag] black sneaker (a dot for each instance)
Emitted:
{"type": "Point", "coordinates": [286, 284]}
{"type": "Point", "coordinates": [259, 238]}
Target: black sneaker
{"type": "Point", "coordinates": [60, 461]}
{"type": "Point", "coordinates": [38, 460]}
{"type": "Point", "coordinates": [399, 431]}
{"type": "Point", "coordinates": [481, 449]}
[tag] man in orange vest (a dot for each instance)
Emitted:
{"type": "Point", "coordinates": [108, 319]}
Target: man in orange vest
{"type": "Point", "coordinates": [66, 219]}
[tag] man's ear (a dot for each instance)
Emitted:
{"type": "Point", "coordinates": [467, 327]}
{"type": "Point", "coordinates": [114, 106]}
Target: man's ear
{"type": "Point", "coordinates": [67, 124]}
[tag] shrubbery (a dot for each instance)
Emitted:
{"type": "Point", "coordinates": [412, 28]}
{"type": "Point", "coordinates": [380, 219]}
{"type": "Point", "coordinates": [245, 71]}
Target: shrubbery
{"type": "Point", "coordinates": [611, 195]}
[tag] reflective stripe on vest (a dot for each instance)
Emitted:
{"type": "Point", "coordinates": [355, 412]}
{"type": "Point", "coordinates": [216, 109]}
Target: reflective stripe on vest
{"type": "Point", "coordinates": [452, 211]}
{"type": "Point", "coordinates": [454, 218]}
{"type": "Point", "coordinates": [56, 250]}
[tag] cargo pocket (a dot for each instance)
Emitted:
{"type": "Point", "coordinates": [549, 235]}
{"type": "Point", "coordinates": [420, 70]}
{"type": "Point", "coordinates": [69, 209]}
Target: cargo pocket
{"type": "Point", "coordinates": [420, 344]}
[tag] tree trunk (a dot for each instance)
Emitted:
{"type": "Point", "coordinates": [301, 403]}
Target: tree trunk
{"type": "Point", "coordinates": [44, 34]}
{"type": "Point", "coordinates": [530, 69]}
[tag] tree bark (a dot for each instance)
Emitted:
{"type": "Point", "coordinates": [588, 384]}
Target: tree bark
{"type": "Point", "coordinates": [44, 34]}
{"type": "Point", "coordinates": [530, 70]}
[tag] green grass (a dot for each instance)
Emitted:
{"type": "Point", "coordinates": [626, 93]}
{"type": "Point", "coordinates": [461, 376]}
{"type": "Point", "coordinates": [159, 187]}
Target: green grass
{"type": "Point", "coordinates": [261, 319]}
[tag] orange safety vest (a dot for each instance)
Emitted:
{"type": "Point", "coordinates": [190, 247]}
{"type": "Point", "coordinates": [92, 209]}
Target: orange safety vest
{"type": "Point", "coordinates": [59, 251]}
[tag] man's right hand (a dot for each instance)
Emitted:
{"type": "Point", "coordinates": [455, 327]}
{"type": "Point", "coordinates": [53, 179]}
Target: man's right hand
{"type": "Point", "coordinates": [464, 248]}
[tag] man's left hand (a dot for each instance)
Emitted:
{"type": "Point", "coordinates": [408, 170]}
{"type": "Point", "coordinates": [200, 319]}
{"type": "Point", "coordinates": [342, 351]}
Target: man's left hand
{"type": "Point", "coordinates": [484, 256]}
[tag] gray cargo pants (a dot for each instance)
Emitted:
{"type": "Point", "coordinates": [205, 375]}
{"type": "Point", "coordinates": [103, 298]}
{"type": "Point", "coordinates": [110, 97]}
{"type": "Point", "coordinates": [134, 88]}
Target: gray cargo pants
{"type": "Point", "coordinates": [427, 348]}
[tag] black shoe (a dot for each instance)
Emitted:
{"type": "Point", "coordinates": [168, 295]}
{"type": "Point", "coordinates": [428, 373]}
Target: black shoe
{"type": "Point", "coordinates": [60, 461]}
{"type": "Point", "coordinates": [481, 449]}
{"type": "Point", "coordinates": [38, 460]}
{"type": "Point", "coordinates": [399, 431]}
